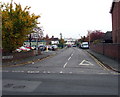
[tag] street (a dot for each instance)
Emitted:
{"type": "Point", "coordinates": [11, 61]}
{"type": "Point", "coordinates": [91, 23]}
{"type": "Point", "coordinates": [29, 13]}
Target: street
{"type": "Point", "coordinates": [71, 71]}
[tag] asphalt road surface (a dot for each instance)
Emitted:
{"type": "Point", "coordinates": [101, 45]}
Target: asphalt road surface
{"type": "Point", "coordinates": [70, 72]}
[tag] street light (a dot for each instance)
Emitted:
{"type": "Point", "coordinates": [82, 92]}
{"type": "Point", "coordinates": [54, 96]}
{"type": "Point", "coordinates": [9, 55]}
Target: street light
{"type": "Point", "coordinates": [89, 36]}
{"type": "Point", "coordinates": [30, 39]}
{"type": "Point", "coordinates": [60, 35]}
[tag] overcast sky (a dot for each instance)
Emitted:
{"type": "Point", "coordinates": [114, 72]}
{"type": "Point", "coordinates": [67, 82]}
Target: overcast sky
{"type": "Point", "coordinates": [72, 18]}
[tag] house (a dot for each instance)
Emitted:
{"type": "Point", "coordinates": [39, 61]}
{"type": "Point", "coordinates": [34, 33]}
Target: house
{"type": "Point", "coordinates": [54, 41]}
{"type": "Point", "coordinates": [69, 41]}
{"type": "Point", "coordinates": [107, 38]}
{"type": "Point", "coordinates": [111, 50]}
{"type": "Point", "coordinates": [115, 12]}
{"type": "Point", "coordinates": [34, 43]}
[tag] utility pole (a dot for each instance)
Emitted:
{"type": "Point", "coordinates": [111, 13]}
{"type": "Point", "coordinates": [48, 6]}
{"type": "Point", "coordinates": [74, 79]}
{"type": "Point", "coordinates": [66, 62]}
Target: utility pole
{"type": "Point", "coordinates": [89, 37]}
{"type": "Point", "coordinates": [60, 35]}
{"type": "Point", "coordinates": [61, 44]}
{"type": "Point", "coordinates": [30, 40]}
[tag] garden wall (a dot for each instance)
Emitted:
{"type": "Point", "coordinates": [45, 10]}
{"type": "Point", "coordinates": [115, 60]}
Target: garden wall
{"type": "Point", "coordinates": [107, 49]}
{"type": "Point", "coordinates": [19, 55]}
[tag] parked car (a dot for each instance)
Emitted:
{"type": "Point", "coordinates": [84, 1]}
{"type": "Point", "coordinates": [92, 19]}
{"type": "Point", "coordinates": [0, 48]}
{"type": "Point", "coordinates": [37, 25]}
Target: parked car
{"type": "Point", "coordinates": [74, 46]}
{"type": "Point", "coordinates": [84, 45]}
{"type": "Point", "coordinates": [54, 47]}
{"type": "Point", "coordinates": [22, 48]}
{"type": "Point", "coordinates": [68, 46]}
{"type": "Point", "coordinates": [33, 47]}
{"type": "Point", "coordinates": [29, 47]}
{"type": "Point", "coordinates": [42, 47]}
{"type": "Point", "coordinates": [49, 47]}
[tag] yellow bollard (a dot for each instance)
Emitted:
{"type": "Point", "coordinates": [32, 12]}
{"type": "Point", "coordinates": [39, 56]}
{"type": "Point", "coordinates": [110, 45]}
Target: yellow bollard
{"type": "Point", "coordinates": [47, 48]}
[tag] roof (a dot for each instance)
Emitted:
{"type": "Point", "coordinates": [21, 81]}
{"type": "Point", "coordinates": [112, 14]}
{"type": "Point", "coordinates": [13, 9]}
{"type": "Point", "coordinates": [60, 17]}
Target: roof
{"type": "Point", "coordinates": [108, 35]}
{"type": "Point", "coordinates": [54, 39]}
{"type": "Point", "coordinates": [113, 4]}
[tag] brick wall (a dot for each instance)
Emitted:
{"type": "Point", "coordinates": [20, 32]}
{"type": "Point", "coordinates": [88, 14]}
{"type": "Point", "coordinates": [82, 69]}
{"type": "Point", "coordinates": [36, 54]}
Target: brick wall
{"type": "Point", "coordinates": [20, 55]}
{"type": "Point", "coordinates": [110, 50]}
{"type": "Point", "coordinates": [116, 22]}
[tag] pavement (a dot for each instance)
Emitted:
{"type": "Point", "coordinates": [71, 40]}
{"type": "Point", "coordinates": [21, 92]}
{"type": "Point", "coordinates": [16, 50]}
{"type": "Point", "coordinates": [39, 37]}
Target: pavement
{"type": "Point", "coordinates": [43, 55]}
{"type": "Point", "coordinates": [106, 61]}
{"type": "Point", "coordinates": [28, 60]}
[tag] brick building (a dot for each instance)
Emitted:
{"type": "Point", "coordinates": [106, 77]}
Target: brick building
{"type": "Point", "coordinates": [115, 12]}
{"type": "Point", "coordinates": [108, 49]}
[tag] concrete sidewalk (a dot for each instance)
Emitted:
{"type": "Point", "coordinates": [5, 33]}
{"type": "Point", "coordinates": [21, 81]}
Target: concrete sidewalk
{"type": "Point", "coordinates": [106, 61]}
{"type": "Point", "coordinates": [29, 59]}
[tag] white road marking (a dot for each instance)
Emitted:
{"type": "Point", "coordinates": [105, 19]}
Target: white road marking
{"type": "Point", "coordinates": [65, 64]}
{"type": "Point", "coordinates": [48, 72]}
{"type": "Point", "coordinates": [69, 58]}
{"type": "Point", "coordinates": [103, 73]}
{"type": "Point", "coordinates": [15, 71]}
{"type": "Point", "coordinates": [87, 63]}
{"type": "Point", "coordinates": [71, 54]}
{"type": "Point", "coordinates": [33, 62]}
{"type": "Point", "coordinates": [33, 71]}
{"type": "Point", "coordinates": [61, 72]}
{"type": "Point", "coordinates": [5, 71]}
{"type": "Point", "coordinates": [70, 72]}
{"type": "Point", "coordinates": [44, 71]}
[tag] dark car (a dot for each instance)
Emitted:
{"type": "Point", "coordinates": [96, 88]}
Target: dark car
{"type": "Point", "coordinates": [74, 46]}
{"type": "Point", "coordinates": [42, 47]}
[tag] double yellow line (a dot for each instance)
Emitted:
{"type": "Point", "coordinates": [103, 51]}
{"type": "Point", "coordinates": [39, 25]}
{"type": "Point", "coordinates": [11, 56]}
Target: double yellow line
{"type": "Point", "coordinates": [101, 64]}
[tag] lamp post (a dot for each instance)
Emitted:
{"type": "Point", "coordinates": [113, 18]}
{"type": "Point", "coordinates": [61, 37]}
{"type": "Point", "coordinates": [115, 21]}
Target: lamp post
{"type": "Point", "coordinates": [60, 35]}
{"type": "Point", "coordinates": [37, 44]}
{"type": "Point", "coordinates": [61, 43]}
{"type": "Point", "coordinates": [89, 37]}
{"type": "Point", "coordinates": [30, 40]}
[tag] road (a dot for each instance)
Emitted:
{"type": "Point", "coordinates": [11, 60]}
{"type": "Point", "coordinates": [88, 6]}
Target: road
{"type": "Point", "coordinates": [70, 72]}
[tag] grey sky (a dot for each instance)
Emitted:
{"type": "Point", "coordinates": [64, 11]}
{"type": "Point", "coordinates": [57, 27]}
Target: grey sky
{"type": "Point", "coordinates": [72, 18]}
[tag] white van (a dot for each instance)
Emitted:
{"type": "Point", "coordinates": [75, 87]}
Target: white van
{"type": "Point", "coordinates": [85, 45]}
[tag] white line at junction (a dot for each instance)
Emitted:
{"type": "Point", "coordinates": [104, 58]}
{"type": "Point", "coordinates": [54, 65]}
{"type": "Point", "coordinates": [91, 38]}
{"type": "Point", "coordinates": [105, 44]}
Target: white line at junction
{"type": "Point", "coordinates": [69, 58]}
{"type": "Point", "coordinates": [65, 64]}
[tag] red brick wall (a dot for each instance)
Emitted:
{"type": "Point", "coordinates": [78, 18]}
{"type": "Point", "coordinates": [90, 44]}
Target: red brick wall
{"type": "Point", "coordinates": [116, 22]}
{"type": "Point", "coordinates": [110, 50]}
{"type": "Point", "coordinates": [98, 48]}
{"type": "Point", "coordinates": [22, 55]}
